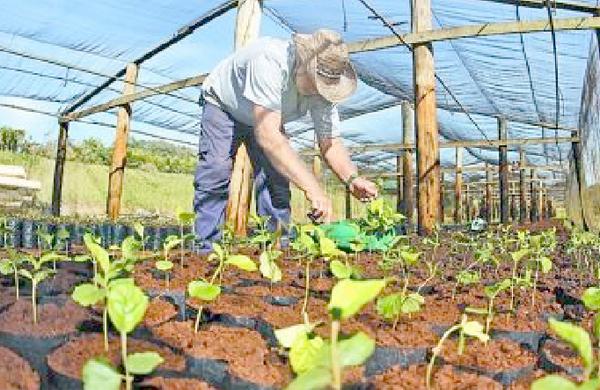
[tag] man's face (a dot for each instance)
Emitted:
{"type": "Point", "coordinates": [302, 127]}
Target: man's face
{"type": "Point", "coordinates": [305, 83]}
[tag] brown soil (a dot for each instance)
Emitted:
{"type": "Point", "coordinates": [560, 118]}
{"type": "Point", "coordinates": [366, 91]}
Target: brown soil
{"type": "Point", "coordinates": [444, 378]}
{"type": "Point", "coordinates": [525, 382]}
{"type": "Point", "coordinates": [69, 359]}
{"type": "Point", "coordinates": [279, 290]}
{"type": "Point", "coordinates": [53, 319]}
{"type": "Point", "coordinates": [159, 311]}
{"type": "Point", "coordinates": [15, 372]}
{"type": "Point", "coordinates": [244, 350]}
{"type": "Point", "coordinates": [160, 383]}
{"type": "Point", "coordinates": [194, 269]}
{"type": "Point", "coordinates": [562, 354]}
{"type": "Point", "coordinates": [497, 355]}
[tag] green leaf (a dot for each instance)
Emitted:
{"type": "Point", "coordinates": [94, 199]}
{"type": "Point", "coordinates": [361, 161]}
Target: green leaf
{"type": "Point", "coordinates": [340, 270]}
{"type": "Point", "coordinates": [26, 273]}
{"type": "Point", "coordinates": [82, 258]}
{"type": "Point", "coordinates": [305, 353]}
{"type": "Point", "coordinates": [171, 242]}
{"type": "Point", "coordinates": [127, 305]}
{"type": "Point", "coordinates": [287, 336]}
{"type": "Point", "coordinates": [349, 296]}
{"type": "Point", "coordinates": [41, 275]}
{"type": "Point", "coordinates": [596, 328]}
{"type": "Point", "coordinates": [87, 294]}
{"type": "Point", "coordinates": [409, 257]}
{"type": "Point", "coordinates": [143, 363]}
{"type": "Point", "coordinates": [546, 264]}
{"type": "Point", "coordinates": [318, 378]}
{"type": "Point", "coordinates": [98, 253]}
{"type": "Point", "coordinates": [412, 303]}
{"type": "Point", "coordinates": [203, 290]}
{"type": "Point", "coordinates": [591, 384]}
{"type": "Point", "coordinates": [139, 229]}
{"type": "Point", "coordinates": [130, 248]}
{"type": "Point", "coordinates": [492, 291]}
{"type": "Point", "coordinates": [218, 250]}
{"type": "Point", "coordinates": [63, 234]}
{"type": "Point", "coordinates": [577, 338]}
{"type": "Point", "coordinates": [268, 268]}
{"type": "Point", "coordinates": [520, 254]}
{"type": "Point", "coordinates": [553, 382]}
{"type": "Point", "coordinates": [185, 217]}
{"type": "Point", "coordinates": [51, 256]}
{"type": "Point", "coordinates": [389, 306]}
{"type": "Point", "coordinates": [355, 350]}
{"type": "Point", "coordinates": [242, 262]}
{"type": "Point", "coordinates": [6, 267]}
{"type": "Point", "coordinates": [475, 329]}
{"type": "Point", "coordinates": [164, 265]}
{"type": "Point", "coordinates": [328, 247]}
{"type": "Point", "coordinates": [99, 375]}
{"type": "Point", "coordinates": [591, 298]}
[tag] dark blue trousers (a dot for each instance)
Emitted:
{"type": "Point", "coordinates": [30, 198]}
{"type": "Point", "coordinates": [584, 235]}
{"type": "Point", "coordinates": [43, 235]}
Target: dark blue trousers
{"type": "Point", "coordinates": [220, 138]}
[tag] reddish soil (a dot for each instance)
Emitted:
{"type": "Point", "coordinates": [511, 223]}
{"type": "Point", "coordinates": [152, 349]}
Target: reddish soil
{"type": "Point", "coordinates": [159, 311]}
{"type": "Point", "coordinates": [15, 372]}
{"type": "Point", "coordinates": [69, 359]}
{"type": "Point", "coordinates": [496, 355]}
{"type": "Point", "coordinates": [160, 383]}
{"type": "Point", "coordinates": [561, 354]}
{"type": "Point", "coordinates": [53, 319]}
{"type": "Point", "coordinates": [444, 378]}
{"type": "Point", "coordinates": [244, 350]}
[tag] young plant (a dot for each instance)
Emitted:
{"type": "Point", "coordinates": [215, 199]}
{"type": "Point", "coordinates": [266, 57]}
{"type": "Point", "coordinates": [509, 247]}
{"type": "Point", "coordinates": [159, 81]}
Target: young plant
{"type": "Point", "coordinates": [319, 363]}
{"type": "Point", "coordinates": [540, 246]}
{"type": "Point", "coordinates": [392, 306]}
{"type": "Point", "coordinates": [63, 237]}
{"type": "Point", "coordinates": [204, 291]}
{"type": "Point", "coordinates": [37, 274]}
{"type": "Point", "coordinates": [11, 266]}
{"type": "Point", "coordinates": [140, 231]}
{"type": "Point", "coordinates": [5, 231]}
{"type": "Point", "coordinates": [580, 341]}
{"type": "Point", "coordinates": [127, 305]}
{"type": "Point", "coordinates": [262, 236]}
{"type": "Point", "coordinates": [491, 292]}
{"type": "Point", "coordinates": [464, 328]}
{"type": "Point", "coordinates": [465, 278]}
{"type": "Point", "coordinates": [184, 218]}
{"type": "Point", "coordinates": [305, 245]}
{"type": "Point", "coordinates": [268, 265]}
{"type": "Point", "coordinates": [165, 265]}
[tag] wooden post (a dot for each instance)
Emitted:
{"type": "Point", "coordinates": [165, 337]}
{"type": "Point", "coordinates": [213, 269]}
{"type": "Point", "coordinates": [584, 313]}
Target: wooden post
{"type": "Point", "coordinates": [399, 190]}
{"type": "Point", "coordinates": [119, 157]}
{"type": "Point", "coordinates": [550, 208]}
{"type": "Point", "coordinates": [522, 188]}
{"type": "Point", "coordinates": [247, 28]}
{"type": "Point", "coordinates": [442, 198]}
{"type": "Point", "coordinates": [59, 167]}
{"type": "Point", "coordinates": [348, 204]}
{"type": "Point", "coordinates": [514, 212]}
{"type": "Point", "coordinates": [458, 184]}
{"type": "Point", "coordinates": [503, 171]}
{"type": "Point", "coordinates": [533, 199]}
{"type": "Point", "coordinates": [467, 216]}
{"type": "Point", "coordinates": [408, 136]}
{"type": "Point", "coordinates": [489, 212]}
{"type": "Point", "coordinates": [428, 153]}
{"type": "Point", "coordinates": [541, 203]}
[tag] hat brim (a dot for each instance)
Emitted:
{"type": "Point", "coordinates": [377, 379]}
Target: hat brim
{"type": "Point", "coordinates": [338, 90]}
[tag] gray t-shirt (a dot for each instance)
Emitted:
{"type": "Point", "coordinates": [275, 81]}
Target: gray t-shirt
{"type": "Point", "coordinates": [263, 73]}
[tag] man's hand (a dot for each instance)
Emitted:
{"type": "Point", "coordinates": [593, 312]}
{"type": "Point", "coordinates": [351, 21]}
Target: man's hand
{"type": "Point", "coordinates": [363, 189]}
{"type": "Point", "coordinates": [322, 208]}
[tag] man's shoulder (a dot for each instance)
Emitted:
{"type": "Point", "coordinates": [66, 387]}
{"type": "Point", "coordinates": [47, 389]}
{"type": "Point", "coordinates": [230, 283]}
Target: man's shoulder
{"type": "Point", "coordinates": [275, 49]}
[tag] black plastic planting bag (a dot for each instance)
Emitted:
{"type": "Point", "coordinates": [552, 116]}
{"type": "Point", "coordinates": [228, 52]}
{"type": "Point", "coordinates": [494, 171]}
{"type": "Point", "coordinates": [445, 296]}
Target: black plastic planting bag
{"type": "Point", "coordinates": [29, 234]}
{"type": "Point", "coordinates": [105, 230]}
{"type": "Point", "coordinates": [14, 238]}
{"type": "Point", "coordinates": [386, 357]}
{"type": "Point", "coordinates": [119, 232]}
{"type": "Point", "coordinates": [77, 232]}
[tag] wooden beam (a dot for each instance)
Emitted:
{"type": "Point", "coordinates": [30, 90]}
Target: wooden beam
{"type": "Point", "coordinates": [132, 97]}
{"type": "Point", "coordinates": [396, 147]}
{"type": "Point", "coordinates": [247, 29]}
{"type": "Point", "coordinates": [458, 184]}
{"type": "Point", "coordinates": [503, 171]}
{"type": "Point", "coordinates": [59, 167]}
{"type": "Point", "coordinates": [534, 212]}
{"type": "Point", "coordinates": [522, 187]}
{"type": "Point", "coordinates": [475, 30]}
{"type": "Point", "coordinates": [488, 194]}
{"type": "Point", "coordinates": [578, 6]}
{"type": "Point", "coordinates": [408, 137]}
{"type": "Point", "coordinates": [119, 157]}
{"type": "Point", "coordinates": [399, 190]}
{"type": "Point", "coordinates": [428, 152]}
{"type": "Point", "coordinates": [442, 216]}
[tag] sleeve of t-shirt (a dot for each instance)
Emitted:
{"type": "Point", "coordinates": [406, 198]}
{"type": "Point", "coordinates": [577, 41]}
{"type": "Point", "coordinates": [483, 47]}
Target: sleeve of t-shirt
{"type": "Point", "coordinates": [263, 82]}
{"type": "Point", "coordinates": [325, 117]}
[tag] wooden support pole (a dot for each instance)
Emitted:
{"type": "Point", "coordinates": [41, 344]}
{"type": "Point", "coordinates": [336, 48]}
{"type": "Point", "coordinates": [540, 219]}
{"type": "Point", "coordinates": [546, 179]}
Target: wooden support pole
{"type": "Point", "coordinates": [246, 29]}
{"type": "Point", "coordinates": [533, 201]}
{"type": "Point", "coordinates": [458, 184]}
{"type": "Point", "coordinates": [514, 211]}
{"type": "Point", "coordinates": [399, 180]}
{"type": "Point", "coordinates": [522, 188]}
{"type": "Point", "coordinates": [442, 210]}
{"type": "Point", "coordinates": [119, 157]}
{"type": "Point", "coordinates": [408, 136]}
{"type": "Point", "coordinates": [59, 167]}
{"type": "Point", "coordinates": [503, 171]}
{"type": "Point", "coordinates": [488, 194]}
{"type": "Point", "coordinates": [428, 152]}
{"type": "Point", "coordinates": [467, 214]}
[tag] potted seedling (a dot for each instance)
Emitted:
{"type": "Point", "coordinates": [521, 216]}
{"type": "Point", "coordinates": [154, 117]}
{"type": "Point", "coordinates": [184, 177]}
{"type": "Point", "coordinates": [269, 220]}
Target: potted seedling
{"type": "Point", "coordinates": [203, 291]}
{"type": "Point", "coordinates": [581, 342]}
{"type": "Point", "coordinates": [140, 230]}
{"type": "Point", "coordinates": [465, 278]}
{"type": "Point", "coordinates": [541, 262]}
{"type": "Point", "coordinates": [63, 237]}
{"type": "Point", "coordinates": [261, 234]}
{"type": "Point", "coordinates": [464, 328]}
{"type": "Point", "coordinates": [165, 265]}
{"type": "Point", "coordinates": [319, 363]}
{"type": "Point", "coordinates": [491, 292]}
{"type": "Point", "coordinates": [184, 218]}
{"type": "Point", "coordinates": [5, 231]}
{"type": "Point", "coordinates": [268, 265]}
{"type": "Point", "coordinates": [37, 274]}
{"type": "Point", "coordinates": [127, 305]}
{"type": "Point", "coordinates": [305, 245]}
{"type": "Point", "coordinates": [11, 265]}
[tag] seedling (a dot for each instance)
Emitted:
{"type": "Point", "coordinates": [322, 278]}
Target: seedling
{"type": "Point", "coordinates": [465, 278]}
{"type": "Point", "coordinates": [268, 265]}
{"type": "Point", "coordinates": [392, 306]}
{"type": "Point", "coordinates": [204, 291]}
{"type": "Point", "coordinates": [580, 341]}
{"type": "Point", "coordinates": [37, 274]}
{"type": "Point", "coordinates": [140, 230]}
{"type": "Point", "coordinates": [306, 245]}
{"type": "Point", "coordinates": [11, 265]}
{"type": "Point", "coordinates": [262, 236]}
{"type": "Point", "coordinates": [127, 305]}
{"type": "Point", "coordinates": [464, 328]}
{"type": "Point", "coordinates": [63, 237]}
{"type": "Point", "coordinates": [540, 245]}
{"type": "Point", "coordinates": [165, 265]}
{"type": "Point", "coordinates": [319, 363]}
{"type": "Point", "coordinates": [491, 292]}
{"type": "Point", "coordinates": [5, 230]}
{"type": "Point", "coordinates": [184, 218]}
{"type": "Point", "coordinates": [591, 300]}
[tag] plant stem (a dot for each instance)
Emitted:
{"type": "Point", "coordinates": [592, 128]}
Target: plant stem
{"type": "Point", "coordinates": [105, 325]}
{"type": "Point", "coordinates": [306, 285]}
{"type": "Point", "coordinates": [535, 278]}
{"type": "Point", "coordinates": [128, 379]}
{"type": "Point", "coordinates": [17, 283]}
{"type": "Point", "coordinates": [436, 351]}
{"type": "Point", "coordinates": [33, 301]}
{"type": "Point", "coordinates": [336, 370]}
{"type": "Point", "coordinates": [198, 316]}
{"type": "Point", "coordinates": [182, 243]}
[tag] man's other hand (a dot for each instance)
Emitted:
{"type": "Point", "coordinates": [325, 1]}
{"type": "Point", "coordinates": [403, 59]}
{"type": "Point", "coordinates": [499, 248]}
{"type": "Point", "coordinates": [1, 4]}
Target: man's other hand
{"type": "Point", "coordinates": [363, 189]}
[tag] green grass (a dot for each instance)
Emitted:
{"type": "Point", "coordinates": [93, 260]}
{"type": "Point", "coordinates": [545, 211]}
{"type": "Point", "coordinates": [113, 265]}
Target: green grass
{"type": "Point", "coordinates": [85, 188]}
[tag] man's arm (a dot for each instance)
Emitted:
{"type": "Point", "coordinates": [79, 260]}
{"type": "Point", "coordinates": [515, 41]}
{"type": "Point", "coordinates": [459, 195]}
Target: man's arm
{"type": "Point", "coordinates": [283, 158]}
{"type": "Point", "coordinates": [337, 157]}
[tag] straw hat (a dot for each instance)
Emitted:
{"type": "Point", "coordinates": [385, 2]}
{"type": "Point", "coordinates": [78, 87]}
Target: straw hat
{"type": "Point", "coordinates": [327, 61]}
